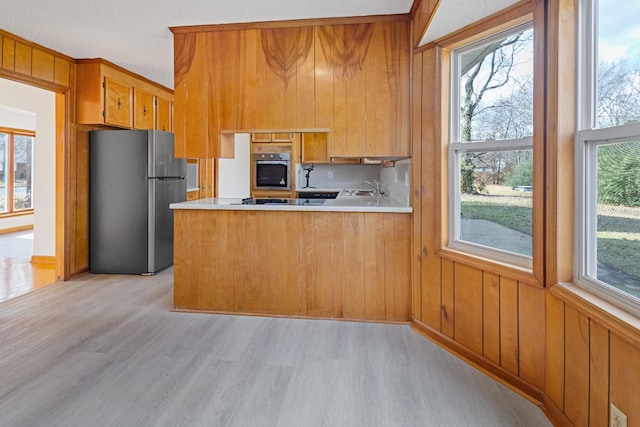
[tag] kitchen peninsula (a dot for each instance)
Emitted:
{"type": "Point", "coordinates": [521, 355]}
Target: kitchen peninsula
{"type": "Point", "coordinates": [344, 258]}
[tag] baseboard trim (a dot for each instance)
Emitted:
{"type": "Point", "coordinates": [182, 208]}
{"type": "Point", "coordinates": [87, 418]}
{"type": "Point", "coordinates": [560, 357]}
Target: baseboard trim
{"type": "Point", "coordinates": [555, 414]}
{"type": "Point", "coordinates": [14, 229]}
{"type": "Point", "coordinates": [506, 378]}
{"type": "Point", "coordinates": [43, 259]}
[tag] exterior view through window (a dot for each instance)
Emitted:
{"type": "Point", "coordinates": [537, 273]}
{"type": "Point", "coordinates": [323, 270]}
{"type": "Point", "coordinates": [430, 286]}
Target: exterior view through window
{"type": "Point", "coordinates": [16, 171]}
{"type": "Point", "coordinates": [610, 151]}
{"type": "Point", "coordinates": [491, 146]}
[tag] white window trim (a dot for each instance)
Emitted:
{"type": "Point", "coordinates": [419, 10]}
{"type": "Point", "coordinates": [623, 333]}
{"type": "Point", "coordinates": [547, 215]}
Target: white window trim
{"type": "Point", "coordinates": [456, 147]}
{"type": "Point", "coordinates": [587, 140]}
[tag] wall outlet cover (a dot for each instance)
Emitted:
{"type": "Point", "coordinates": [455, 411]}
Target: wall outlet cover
{"type": "Point", "coordinates": [618, 418]}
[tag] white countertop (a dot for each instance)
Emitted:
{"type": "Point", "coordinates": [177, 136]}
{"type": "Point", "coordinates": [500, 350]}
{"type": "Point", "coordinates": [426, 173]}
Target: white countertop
{"type": "Point", "coordinates": [339, 204]}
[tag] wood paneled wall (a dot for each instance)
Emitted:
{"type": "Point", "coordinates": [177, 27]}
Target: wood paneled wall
{"type": "Point", "coordinates": [312, 264]}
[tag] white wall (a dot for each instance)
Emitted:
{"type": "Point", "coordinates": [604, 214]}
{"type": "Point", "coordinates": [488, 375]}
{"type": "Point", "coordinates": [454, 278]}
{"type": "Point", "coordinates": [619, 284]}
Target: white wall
{"type": "Point", "coordinates": [233, 174]}
{"type": "Point", "coordinates": [38, 104]}
{"type": "Point", "coordinates": [336, 176]}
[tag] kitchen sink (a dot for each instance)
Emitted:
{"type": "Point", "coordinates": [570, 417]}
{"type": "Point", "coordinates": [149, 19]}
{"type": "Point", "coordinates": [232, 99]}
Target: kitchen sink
{"type": "Point", "coordinates": [358, 193]}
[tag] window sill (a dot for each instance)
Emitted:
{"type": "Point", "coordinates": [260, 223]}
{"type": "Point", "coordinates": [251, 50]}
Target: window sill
{"type": "Point", "coordinates": [16, 214]}
{"type": "Point", "coordinates": [615, 319]}
{"type": "Point", "coordinates": [522, 274]}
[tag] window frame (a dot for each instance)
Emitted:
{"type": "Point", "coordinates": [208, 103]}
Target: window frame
{"type": "Point", "coordinates": [588, 139]}
{"type": "Point", "coordinates": [11, 211]}
{"type": "Point", "coordinates": [456, 147]}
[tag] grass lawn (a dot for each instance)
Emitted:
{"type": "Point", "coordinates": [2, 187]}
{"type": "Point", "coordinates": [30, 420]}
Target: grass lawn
{"type": "Point", "coordinates": [618, 227]}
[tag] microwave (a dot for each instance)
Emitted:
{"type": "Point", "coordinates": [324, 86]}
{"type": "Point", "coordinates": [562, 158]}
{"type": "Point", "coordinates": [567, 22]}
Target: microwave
{"type": "Point", "coordinates": [271, 171]}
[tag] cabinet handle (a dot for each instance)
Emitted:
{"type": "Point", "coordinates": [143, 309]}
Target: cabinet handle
{"type": "Point", "coordinates": [118, 103]}
{"type": "Point", "coordinates": [144, 110]}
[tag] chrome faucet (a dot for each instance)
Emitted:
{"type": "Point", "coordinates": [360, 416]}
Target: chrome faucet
{"type": "Point", "coordinates": [375, 185]}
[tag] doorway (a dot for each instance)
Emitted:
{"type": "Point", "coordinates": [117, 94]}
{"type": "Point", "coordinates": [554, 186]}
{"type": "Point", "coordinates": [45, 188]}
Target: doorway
{"type": "Point", "coordinates": [28, 257]}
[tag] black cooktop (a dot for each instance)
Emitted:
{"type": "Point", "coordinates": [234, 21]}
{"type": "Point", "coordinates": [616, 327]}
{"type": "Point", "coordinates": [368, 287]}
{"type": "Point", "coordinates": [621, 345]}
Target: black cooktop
{"type": "Point", "coordinates": [272, 201]}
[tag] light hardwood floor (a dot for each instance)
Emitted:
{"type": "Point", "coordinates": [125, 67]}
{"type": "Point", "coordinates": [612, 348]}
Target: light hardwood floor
{"type": "Point", "coordinates": [17, 274]}
{"type": "Point", "coordinates": [107, 351]}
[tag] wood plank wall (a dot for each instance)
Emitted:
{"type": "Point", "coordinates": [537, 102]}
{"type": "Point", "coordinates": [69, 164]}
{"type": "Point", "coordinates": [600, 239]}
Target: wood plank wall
{"type": "Point", "coordinates": [574, 359]}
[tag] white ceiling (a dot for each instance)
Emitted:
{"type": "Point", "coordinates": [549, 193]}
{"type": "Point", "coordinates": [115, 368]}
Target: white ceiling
{"type": "Point", "coordinates": [135, 34]}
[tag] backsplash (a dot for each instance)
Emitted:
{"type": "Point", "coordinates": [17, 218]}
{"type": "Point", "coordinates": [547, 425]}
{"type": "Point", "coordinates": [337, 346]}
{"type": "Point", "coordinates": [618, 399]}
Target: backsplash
{"type": "Point", "coordinates": [395, 181]}
{"type": "Point", "coordinates": [337, 176]}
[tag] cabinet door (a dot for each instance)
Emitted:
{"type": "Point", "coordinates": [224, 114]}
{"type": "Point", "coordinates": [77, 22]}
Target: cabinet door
{"type": "Point", "coordinates": [163, 114]}
{"type": "Point", "coordinates": [143, 103]}
{"type": "Point", "coordinates": [314, 148]}
{"type": "Point", "coordinates": [117, 109]}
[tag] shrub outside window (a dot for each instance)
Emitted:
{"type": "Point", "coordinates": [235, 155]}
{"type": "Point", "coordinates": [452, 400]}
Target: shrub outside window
{"type": "Point", "coordinates": [491, 181]}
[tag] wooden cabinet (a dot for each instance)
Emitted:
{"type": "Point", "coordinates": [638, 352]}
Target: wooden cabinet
{"type": "Point", "coordinates": [314, 148]}
{"type": "Point", "coordinates": [343, 265]}
{"type": "Point", "coordinates": [144, 109]}
{"type": "Point", "coordinates": [110, 95]}
{"type": "Point", "coordinates": [163, 114]}
{"type": "Point", "coordinates": [117, 104]}
{"type": "Point", "coordinates": [351, 79]}
{"type": "Point", "coordinates": [362, 89]}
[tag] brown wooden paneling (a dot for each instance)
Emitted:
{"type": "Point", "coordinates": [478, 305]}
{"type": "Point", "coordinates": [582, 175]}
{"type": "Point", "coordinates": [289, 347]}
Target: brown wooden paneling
{"type": "Point", "coordinates": [447, 308]}
{"type": "Point", "coordinates": [576, 395]}
{"type": "Point", "coordinates": [228, 50]}
{"type": "Point", "coordinates": [338, 49]}
{"type": "Point", "coordinates": [23, 58]}
{"type": "Point", "coordinates": [276, 77]}
{"type": "Point", "coordinates": [324, 72]}
{"type": "Point", "coordinates": [398, 269]}
{"type": "Point", "coordinates": [354, 264]}
{"type": "Point", "coordinates": [554, 350]}
{"type": "Point", "coordinates": [304, 104]}
{"type": "Point", "coordinates": [598, 375]}
{"type": "Point", "coordinates": [8, 54]}
{"type": "Point", "coordinates": [374, 266]}
{"type": "Point", "coordinates": [491, 317]}
{"type": "Point", "coordinates": [531, 329]}
{"type": "Point", "coordinates": [322, 273]}
{"type": "Point", "coordinates": [43, 65]}
{"type": "Point", "coordinates": [291, 286]}
{"type": "Point", "coordinates": [509, 352]}
{"type": "Point", "coordinates": [422, 17]}
{"type": "Point", "coordinates": [625, 377]}
{"type": "Point", "coordinates": [468, 307]}
{"type": "Point", "coordinates": [314, 266]}
{"type": "Point", "coordinates": [61, 71]}
{"type": "Point", "coordinates": [357, 39]}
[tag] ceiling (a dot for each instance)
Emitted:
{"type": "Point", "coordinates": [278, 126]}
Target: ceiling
{"type": "Point", "coordinates": [135, 34]}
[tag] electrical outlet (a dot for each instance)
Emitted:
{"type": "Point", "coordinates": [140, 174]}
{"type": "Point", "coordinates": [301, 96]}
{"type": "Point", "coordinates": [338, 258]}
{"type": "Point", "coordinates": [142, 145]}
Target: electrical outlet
{"type": "Point", "coordinates": [330, 174]}
{"type": "Point", "coordinates": [618, 418]}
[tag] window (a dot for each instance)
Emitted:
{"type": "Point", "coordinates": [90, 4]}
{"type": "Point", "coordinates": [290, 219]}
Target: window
{"type": "Point", "coordinates": [491, 151]}
{"type": "Point", "coordinates": [16, 171]}
{"type": "Point", "coordinates": [608, 153]}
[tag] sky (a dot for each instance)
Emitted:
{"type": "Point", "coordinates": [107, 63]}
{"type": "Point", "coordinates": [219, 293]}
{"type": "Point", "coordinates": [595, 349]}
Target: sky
{"type": "Point", "coordinates": [619, 29]}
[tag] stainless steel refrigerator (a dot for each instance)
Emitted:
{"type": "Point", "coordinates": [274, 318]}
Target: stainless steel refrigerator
{"type": "Point", "coordinates": [134, 176]}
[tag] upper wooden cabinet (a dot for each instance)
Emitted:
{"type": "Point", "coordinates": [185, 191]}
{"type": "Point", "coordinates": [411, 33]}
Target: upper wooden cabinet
{"type": "Point", "coordinates": [163, 114]}
{"type": "Point", "coordinates": [144, 109]}
{"type": "Point", "coordinates": [109, 95]}
{"type": "Point", "coordinates": [351, 79]}
{"type": "Point", "coordinates": [314, 148]}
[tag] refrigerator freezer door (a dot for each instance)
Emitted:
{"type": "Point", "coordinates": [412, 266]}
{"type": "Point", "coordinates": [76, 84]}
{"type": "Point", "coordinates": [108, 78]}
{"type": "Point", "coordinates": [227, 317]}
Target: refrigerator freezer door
{"type": "Point", "coordinates": [161, 160]}
{"type": "Point", "coordinates": [163, 192]}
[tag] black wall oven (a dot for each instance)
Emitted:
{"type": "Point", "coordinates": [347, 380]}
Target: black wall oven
{"type": "Point", "coordinates": [271, 171]}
